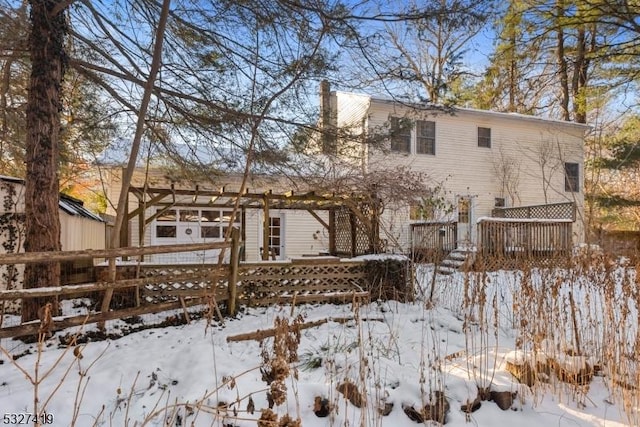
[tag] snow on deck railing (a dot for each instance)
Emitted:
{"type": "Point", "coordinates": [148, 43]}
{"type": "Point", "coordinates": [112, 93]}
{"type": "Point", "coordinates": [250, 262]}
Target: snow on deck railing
{"type": "Point", "coordinates": [523, 220]}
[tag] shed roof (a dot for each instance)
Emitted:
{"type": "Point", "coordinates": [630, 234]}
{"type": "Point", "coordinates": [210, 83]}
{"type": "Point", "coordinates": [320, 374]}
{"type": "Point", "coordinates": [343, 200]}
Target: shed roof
{"type": "Point", "coordinates": [68, 204]}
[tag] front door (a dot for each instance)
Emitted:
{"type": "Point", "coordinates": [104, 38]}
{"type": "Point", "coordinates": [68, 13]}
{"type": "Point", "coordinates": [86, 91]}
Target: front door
{"type": "Point", "coordinates": [465, 221]}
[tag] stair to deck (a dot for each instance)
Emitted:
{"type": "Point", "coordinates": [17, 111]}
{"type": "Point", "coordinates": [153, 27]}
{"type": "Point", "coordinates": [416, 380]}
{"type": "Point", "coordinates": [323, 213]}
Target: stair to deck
{"type": "Point", "coordinates": [457, 260]}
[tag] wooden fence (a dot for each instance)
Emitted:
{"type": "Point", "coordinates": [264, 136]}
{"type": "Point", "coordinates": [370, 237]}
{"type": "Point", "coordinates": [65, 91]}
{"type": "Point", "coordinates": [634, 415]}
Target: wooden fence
{"type": "Point", "coordinates": [300, 280]}
{"type": "Point", "coordinates": [146, 289]}
{"type": "Point", "coordinates": [114, 282]}
{"type": "Point", "coordinates": [258, 284]}
{"type": "Point", "coordinates": [524, 239]}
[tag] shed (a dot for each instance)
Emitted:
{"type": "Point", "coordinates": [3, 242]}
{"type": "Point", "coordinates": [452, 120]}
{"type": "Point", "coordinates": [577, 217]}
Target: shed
{"type": "Point", "coordinates": [79, 229]}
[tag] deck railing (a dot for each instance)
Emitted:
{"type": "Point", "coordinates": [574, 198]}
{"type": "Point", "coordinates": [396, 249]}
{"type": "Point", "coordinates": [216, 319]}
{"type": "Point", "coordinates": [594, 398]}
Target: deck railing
{"type": "Point", "coordinates": [524, 238]}
{"type": "Point", "coordinates": [432, 241]}
{"type": "Point", "coordinates": [564, 210]}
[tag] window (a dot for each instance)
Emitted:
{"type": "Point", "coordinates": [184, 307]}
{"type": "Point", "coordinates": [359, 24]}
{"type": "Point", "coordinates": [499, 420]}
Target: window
{"type": "Point", "coordinates": [165, 231]}
{"type": "Point", "coordinates": [169, 215]}
{"type": "Point", "coordinates": [500, 202]}
{"type": "Point", "coordinates": [484, 137]}
{"type": "Point", "coordinates": [464, 210]}
{"type": "Point", "coordinates": [572, 177]}
{"type": "Point", "coordinates": [400, 135]}
{"type": "Point", "coordinates": [210, 232]}
{"type": "Point", "coordinates": [189, 215]}
{"type": "Point", "coordinates": [422, 211]}
{"type": "Point", "coordinates": [184, 224]}
{"type": "Point", "coordinates": [211, 216]}
{"type": "Point", "coordinates": [167, 224]}
{"type": "Point", "coordinates": [426, 137]}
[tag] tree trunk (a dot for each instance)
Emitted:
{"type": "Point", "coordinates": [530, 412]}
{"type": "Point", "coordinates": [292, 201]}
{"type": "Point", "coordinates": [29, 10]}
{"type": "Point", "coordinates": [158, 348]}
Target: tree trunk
{"type": "Point", "coordinates": [562, 62]}
{"type": "Point", "coordinates": [580, 77]}
{"type": "Point", "coordinates": [42, 225]}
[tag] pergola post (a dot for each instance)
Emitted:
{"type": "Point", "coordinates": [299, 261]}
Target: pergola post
{"type": "Point", "coordinates": [141, 224]}
{"type": "Point", "coordinates": [124, 230]}
{"type": "Point", "coordinates": [332, 232]}
{"type": "Point", "coordinates": [265, 229]}
{"type": "Point", "coordinates": [354, 234]}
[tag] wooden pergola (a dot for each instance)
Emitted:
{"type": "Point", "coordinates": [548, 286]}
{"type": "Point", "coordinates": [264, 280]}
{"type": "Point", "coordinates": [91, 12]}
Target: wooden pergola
{"type": "Point", "coordinates": [353, 225]}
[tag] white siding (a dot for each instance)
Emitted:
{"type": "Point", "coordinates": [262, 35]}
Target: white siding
{"type": "Point", "coordinates": [528, 145]}
{"type": "Point", "coordinates": [351, 120]}
{"type": "Point", "coordinates": [299, 227]}
{"type": "Point", "coordinates": [303, 234]}
{"type": "Point", "coordinates": [77, 233]}
{"type": "Point", "coordinates": [17, 198]}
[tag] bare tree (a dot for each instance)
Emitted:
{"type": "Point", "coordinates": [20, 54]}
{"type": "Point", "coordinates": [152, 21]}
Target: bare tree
{"type": "Point", "coordinates": [507, 171]}
{"type": "Point", "coordinates": [425, 56]}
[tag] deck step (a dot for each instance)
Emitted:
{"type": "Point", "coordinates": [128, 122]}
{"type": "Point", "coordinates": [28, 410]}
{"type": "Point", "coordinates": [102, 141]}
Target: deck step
{"type": "Point", "coordinates": [457, 260]}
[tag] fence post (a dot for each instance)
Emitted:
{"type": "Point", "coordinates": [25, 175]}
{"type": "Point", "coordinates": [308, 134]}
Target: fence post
{"type": "Point", "coordinates": [108, 294]}
{"type": "Point", "coordinates": [234, 261]}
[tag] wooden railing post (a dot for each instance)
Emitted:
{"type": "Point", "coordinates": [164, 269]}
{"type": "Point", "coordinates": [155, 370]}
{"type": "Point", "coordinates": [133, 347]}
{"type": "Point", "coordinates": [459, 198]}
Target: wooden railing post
{"type": "Point", "coordinates": [108, 294]}
{"type": "Point", "coordinates": [234, 261]}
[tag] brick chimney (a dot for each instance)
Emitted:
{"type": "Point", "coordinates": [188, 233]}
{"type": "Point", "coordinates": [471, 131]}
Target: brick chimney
{"type": "Point", "coordinates": [326, 126]}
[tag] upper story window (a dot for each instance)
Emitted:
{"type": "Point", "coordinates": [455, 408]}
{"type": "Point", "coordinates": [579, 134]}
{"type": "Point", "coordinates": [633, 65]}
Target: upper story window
{"type": "Point", "coordinates": [484, 137]}
{"type": "Point", "coordinates": [425, 137]}
{"type": "Point", "coordinates": [571, 177]}
{"type": "Point", "coordinates": [400, 135]}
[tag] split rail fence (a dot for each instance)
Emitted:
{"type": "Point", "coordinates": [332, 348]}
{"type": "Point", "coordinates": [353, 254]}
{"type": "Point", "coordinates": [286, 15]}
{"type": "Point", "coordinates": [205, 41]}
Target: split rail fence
{"type": "Point", "coordinates": [131, 289]}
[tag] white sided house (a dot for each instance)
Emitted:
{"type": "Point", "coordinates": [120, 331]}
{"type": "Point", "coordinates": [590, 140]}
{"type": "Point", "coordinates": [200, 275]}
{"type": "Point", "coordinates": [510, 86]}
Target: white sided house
{"type": "Point", "coordinates": [166, 210]}
{"type": "Point", "coordinates": [486, 165]}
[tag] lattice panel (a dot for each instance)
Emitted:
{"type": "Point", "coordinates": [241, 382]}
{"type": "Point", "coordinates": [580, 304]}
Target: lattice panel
{"type": "Point", "coordinates": [343, 232]}
{"type": "Point", "coordinates": [549, 211]}
{"type": "Point", "coordinates": [364, 245]}
{"type": "Point", "coordinates": [174, 281]}
{"type": "Point", "coordinates": [263, 284]}
{"type": "Point", "coordinates": [353, 237]}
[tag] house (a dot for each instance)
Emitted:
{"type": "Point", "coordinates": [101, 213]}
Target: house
{"type": "Point", "coordinates": [484, 163]}
{"type": "Point", "coordinates": [79, 227]}
{"type": "Point", "coordinates": [165, 208]}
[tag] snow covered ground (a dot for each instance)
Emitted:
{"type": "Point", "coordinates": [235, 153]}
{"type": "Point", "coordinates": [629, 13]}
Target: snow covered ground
{"type": "Point", "coordinates": [394, 353]}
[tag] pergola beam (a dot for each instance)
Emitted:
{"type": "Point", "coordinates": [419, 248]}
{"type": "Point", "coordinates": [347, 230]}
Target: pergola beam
{"type": "Point", "coordinates": [266, 201]}
{"type": "Point", "coordinates": [320, 220]}
{"type": "Point", "coordinates": [223, 193]}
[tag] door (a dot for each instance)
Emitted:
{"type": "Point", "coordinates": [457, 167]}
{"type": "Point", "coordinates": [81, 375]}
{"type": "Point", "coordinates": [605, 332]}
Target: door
{"type": "Point", "coordinates": [465, 221]}
{"type": "Point", "coordinates": [276, 236]}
